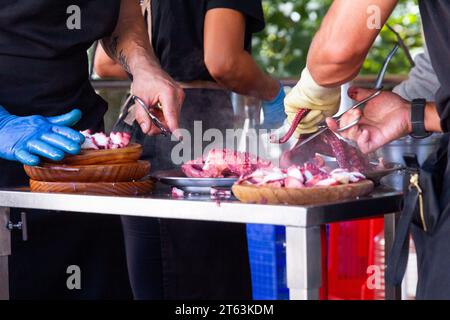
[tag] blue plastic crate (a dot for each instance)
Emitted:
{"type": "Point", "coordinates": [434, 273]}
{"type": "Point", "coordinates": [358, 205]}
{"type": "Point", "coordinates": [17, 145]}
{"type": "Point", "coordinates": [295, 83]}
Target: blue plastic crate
{"type": "Point", "coordinates": [267, 253]}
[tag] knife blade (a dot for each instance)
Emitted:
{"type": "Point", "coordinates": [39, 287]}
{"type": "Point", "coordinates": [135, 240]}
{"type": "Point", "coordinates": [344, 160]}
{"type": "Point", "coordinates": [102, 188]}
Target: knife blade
{"type": "Point", "coordinates": [302, 142]}
{"type": "Point", "coordinates": [324, 127]}
{"type": "Point", "coordinates": [378, 88]}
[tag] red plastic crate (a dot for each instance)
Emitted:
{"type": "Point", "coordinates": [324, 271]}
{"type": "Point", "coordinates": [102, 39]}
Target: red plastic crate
{"type": "Point", "coordinates": [351, 251]}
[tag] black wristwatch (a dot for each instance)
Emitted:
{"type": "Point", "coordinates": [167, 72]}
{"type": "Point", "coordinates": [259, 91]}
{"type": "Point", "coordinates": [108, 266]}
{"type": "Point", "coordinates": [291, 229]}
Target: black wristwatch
{"type": "Point", "coordinates": [418, 119]}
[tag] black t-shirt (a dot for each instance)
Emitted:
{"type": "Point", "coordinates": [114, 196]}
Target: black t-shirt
{"type": "Point", "coordinates": [178, 33]}
{"type": "Point", "coordinates": [44, 65]}
{"type": "Point", "coordinates": [43, 62]}
{"type": "Point", "coordinates": [436, 22]}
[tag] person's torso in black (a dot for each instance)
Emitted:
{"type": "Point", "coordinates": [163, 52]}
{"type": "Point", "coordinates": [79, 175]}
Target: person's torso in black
{"type": "Point", "coordinates": [44, 66]}
{"type": "Point", "coordinates": [433, 250]}
{"type": "Point", "coordinates": [436, 22]}
{"type": "Point", "coordinates": [178, 33]}
{"type": "Point", "coordinates": [43, 62]}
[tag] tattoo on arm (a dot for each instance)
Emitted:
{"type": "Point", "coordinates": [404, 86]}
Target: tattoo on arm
{"type": "Point", "coordinates": [124, 61]}
{"type": "Point", "coordinates": [119, 56]}
{"type": "Point", "coordinates": [112, 46]}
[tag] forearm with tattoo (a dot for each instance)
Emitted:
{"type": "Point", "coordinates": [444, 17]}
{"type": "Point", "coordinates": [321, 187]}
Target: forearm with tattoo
{"type": "Point", "coordinates": [111, 48]}
{"type": "Point", "coordinates": [129, 43]}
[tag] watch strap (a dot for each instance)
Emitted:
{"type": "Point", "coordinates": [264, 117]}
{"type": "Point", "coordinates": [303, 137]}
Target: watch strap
{"type": "Point", "coordinates": [418, 119]}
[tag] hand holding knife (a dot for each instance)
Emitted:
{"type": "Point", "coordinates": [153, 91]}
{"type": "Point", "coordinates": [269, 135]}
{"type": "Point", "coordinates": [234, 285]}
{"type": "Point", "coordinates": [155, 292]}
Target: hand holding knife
{"type": "Point", "coordinates": [378, 88]}
{"type": "Point", "coordinates": [324, 127]}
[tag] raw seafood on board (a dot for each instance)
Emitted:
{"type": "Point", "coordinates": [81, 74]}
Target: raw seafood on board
{"type": "Point", "coordinates": [311, 183]}
{"type": "Point", "coordinates": [100, 141]}
{"type": "Point", "coordinates": [298, 177]}
{"type": "Point", "coordinates": [107, 165]}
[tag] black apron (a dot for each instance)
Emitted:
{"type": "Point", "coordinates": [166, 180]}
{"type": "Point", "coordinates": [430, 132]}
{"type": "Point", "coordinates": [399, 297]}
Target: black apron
{"type": "Point", "coordinates": [44, 71]}
{"type": "Point", "coordinates": [430, 227]}
{"type": "Point", "coordinates": [201, 260]}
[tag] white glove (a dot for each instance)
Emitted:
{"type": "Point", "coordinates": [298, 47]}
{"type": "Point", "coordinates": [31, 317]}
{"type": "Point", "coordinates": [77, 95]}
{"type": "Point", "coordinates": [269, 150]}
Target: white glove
{"type": "Point", "coordinates": [307, 94]}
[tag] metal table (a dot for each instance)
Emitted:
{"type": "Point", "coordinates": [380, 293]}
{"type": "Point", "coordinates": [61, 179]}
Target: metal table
{"type": "Point", "coordinates": [303, 223]}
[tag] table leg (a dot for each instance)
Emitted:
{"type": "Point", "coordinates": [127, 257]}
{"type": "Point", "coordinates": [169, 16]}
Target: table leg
{"type": "Point", "coordinates": [5, 251]}
{"type": "Point", "coordinates": [304, 262]}
{"type": "Point", "coordinates": [390, 223]}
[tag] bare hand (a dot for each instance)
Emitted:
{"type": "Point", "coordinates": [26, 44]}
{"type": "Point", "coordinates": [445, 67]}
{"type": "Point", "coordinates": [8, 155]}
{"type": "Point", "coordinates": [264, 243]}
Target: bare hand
{"type": "Point", "coordinates": [153, 85]}
{"type": "Point", "coordinates": [384, 119]}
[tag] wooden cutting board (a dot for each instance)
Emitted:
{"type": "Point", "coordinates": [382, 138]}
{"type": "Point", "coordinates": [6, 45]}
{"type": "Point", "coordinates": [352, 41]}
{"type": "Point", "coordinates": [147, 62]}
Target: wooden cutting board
{"type": "Point", "coordinates": [101, 188]}
{"type": "Point", "coordinates": [306, 196]}
{"type": "Point", "coordinates": [123, 172]}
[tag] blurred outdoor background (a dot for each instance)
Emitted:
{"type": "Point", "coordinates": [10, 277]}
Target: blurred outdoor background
{"type": "Point", "coordinates": [290, 25]}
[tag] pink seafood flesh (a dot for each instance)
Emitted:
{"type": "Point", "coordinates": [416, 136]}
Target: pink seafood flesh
{"type": "Point", "coordinates": [100, 141]}
{"type": "Point", "coordinates": [224, 164]}
{"type": "Point", "coordinates": [347, 156]}
{"type": "Point", "coordinates": [298, 177]}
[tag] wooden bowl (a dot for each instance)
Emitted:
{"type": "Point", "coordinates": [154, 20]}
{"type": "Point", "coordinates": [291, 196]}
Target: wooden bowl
{"type": "Point", "coordinates": [135, 188]}
{"type": "Point", "coordinates": [306, 196]}
{"type": "Point", "coordinates": [113, 156]}
{"type": "Point", "coordinates": [131, 171]}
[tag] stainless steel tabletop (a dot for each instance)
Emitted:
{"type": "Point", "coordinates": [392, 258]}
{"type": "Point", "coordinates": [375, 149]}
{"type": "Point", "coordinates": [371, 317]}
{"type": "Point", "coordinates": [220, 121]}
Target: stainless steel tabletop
{"type": "Point", "coordinates": [303, 223]}
{"type": "Point", "coordinates": [381, 201]}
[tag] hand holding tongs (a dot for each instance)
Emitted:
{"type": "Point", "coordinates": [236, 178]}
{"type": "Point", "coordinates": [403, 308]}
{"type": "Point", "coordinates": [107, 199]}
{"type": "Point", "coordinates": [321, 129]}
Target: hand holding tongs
{"type": "Point", "coordinates": [127, 115]}
{"type": "Point", "coordinates": [378, 87]}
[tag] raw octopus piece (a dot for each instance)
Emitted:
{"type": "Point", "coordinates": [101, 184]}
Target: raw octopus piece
{"type": "Point", "coordinates": [293, 183]}
{"type": "Point", "coordinates": [102, 140]}
{"type": "Point", "coordinates": [220, 194]}
{"type": "Point", "coordinates": [121, 139]}
{"type": "Point", "coordinates": [97, 141]}
{"type": "Point", "coordinates": [301, 114]}
{"type": "Point", "coordinates": [347, 157]}
{"type": "Point", "coordinates": [337, 148]}
{"type": "Point", "coordinates": [298, 177]}
{"type": "Point", "coordinates": [177, 193]}
{"type": "Point", "coordinates": [223, 164]}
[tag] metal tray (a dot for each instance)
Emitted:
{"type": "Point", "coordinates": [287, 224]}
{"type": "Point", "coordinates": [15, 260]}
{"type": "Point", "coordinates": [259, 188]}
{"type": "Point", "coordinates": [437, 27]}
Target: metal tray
{"type": "Point", "coordinates": [176, 178]}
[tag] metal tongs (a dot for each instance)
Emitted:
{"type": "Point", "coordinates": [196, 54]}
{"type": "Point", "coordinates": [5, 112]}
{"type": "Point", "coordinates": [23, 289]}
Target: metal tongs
{"type": "Point", "coordinates": [128, 117]}
{"type": "Point", "coordinates": [379, 89]}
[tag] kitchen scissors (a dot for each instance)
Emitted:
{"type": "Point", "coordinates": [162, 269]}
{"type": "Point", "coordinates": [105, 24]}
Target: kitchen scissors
{"type": "Point", "coordinates": [379, 89]}
{"type": "Point", "coordinates": [129, 119]}
{"type": "Point", "coordinates": [164, 131]}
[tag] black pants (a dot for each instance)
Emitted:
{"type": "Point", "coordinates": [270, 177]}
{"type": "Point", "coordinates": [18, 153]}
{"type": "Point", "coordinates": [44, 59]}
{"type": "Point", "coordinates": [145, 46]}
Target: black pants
{"type": "Point", "coordinates": [57, 240]}
{"type": "Point", "coordinates": [200, 260]}
{"type": "Point", "coordinates": [143, 247]}
{"type": "Point", "coordinates": [94, 243]}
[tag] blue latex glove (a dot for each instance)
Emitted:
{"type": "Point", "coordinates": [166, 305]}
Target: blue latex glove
{"type": "Point", "coordinates": [274, 115]}
{"type": "Point", "coordinates": [25, 139]}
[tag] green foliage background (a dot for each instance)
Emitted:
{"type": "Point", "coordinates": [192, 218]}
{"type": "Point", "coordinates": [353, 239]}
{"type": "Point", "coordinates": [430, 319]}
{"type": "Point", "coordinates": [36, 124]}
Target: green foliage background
{"type": "Point", "coordinates": [290, 25]}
